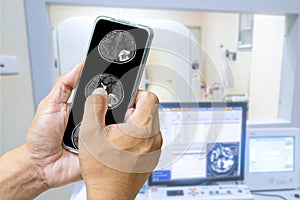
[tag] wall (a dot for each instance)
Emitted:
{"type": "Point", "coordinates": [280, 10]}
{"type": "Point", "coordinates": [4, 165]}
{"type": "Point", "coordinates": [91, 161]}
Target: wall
{"type": "Point", "coordinates": [266, 66]}
{"type": "Point", "coordinates": [59, 13]}
{"type": "Point", "coordinates": [222, 29]}
{"type": "Point", "coordinates": [16, 90]}
{"type": "Point", "coordinates": [16, 97]}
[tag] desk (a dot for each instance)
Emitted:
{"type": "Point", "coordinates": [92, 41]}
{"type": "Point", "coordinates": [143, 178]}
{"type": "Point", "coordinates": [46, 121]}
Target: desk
{"type": "Point", "coordinates": [288, 194]}
{"type": "Point", "coordinates": [80, 194]}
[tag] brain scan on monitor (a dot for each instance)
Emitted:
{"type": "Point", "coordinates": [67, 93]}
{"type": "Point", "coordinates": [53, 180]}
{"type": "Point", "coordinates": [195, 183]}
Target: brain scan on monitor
{"type": "Point", "coordinates": [111, 84]}
{"type": "Point", "coordinates": [75, 135]}
{"type": "Point", "coordinates": [117, 46]}
{"type": "Point", "coordinates": [222, 159]}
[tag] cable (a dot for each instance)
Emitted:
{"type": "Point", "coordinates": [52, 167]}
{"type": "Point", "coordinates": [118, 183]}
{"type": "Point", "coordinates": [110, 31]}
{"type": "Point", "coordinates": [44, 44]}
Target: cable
{"type": "Point", "coordinates": [296, 194]}
{"type": "Point", "coordinates": [270, 195]}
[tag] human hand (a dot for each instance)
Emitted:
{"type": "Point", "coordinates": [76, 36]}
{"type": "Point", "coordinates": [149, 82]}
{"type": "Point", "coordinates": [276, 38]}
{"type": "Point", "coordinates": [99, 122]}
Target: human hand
{"type": "Point", "coordinates": [110, 181]}
{"type": "Point", "coordinates": [44, 138]}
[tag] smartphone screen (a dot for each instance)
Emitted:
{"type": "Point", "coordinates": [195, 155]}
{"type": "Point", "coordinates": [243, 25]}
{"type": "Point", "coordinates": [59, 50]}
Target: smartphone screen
{"type": "Point", "coordinates": [114, 61]}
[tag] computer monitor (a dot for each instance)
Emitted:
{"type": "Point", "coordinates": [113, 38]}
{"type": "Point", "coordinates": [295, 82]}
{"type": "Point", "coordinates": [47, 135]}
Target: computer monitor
{"type": "Point", "coordinates": [203, 142]}
{"type": "Point", "coordinates": [272, 159]}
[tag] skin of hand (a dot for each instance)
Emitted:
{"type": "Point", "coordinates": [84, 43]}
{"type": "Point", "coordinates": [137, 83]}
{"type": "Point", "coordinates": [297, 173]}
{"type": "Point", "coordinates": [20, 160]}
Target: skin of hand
{"type": "Point", "coordinates": [41, 163]}
{"type": "Point", "coordinates": [102, 181]}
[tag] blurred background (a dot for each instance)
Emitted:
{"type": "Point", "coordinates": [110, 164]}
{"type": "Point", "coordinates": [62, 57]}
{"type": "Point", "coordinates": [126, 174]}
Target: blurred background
{"type": "Point", "coordinates": [224, 54]}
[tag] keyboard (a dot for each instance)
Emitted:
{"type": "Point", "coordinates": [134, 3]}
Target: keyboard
{"type": "Point", "coordinates": [211, 192]}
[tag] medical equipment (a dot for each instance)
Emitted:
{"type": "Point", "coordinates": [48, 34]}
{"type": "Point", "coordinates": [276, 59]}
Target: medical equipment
{"type": "Point", "coordinates": [272, 159]}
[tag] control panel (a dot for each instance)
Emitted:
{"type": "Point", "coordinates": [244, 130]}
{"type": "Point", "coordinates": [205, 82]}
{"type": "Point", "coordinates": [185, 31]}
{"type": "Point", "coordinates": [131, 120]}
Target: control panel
{"type": "Point", "coordinates": [211, 192]}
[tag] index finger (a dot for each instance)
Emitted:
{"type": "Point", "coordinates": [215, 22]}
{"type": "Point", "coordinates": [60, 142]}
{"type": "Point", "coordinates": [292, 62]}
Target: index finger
{"type": "Point", "coordinates": [145, 106]}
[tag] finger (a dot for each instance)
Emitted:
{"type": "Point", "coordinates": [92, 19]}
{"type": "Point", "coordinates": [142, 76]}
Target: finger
{"type": "Point", "coordinates": [145, 97]}
{"type": "Point", "coordinates": [129, 113]}
{"type": "Point", "coordinates": [95, 107]}
{"type": "Point", "coordinates": [145, 103]}
{"type": "Point", "coordinates": [65, 84]}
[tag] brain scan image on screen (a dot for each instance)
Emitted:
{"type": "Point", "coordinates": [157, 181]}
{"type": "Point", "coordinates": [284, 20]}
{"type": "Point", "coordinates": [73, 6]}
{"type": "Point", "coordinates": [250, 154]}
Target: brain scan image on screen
{"type": "Point", "coordinates": [75, 135]}
{"type": "Point", "coordinates": [117, 46]}
{"type": "Point", "coordinates": [111, 84]}
{"type": "Point", "coordinates": [222, 159]}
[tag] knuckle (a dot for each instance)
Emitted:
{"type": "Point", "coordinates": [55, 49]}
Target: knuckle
{"type": "Point", "coordinates": [152, 97]}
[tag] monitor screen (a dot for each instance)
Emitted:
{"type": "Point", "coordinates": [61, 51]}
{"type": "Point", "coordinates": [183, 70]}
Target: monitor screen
{"type": "Point", "coordinates": [271, 154]}
{"type": "Point", "coordinates": [205, 143]}
{"type": "Point", "coordinates": [272, 157]}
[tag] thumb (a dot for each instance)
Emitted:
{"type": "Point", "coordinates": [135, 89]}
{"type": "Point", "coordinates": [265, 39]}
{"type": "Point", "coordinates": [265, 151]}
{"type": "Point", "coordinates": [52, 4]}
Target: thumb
{"type": "Point", "coordinates": [65, 84]}
{"type": "Point", "coordinates": [96, 106]}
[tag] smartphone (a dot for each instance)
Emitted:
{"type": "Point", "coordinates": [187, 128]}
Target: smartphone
{"type": "Point", "coordinates": [115, 61]}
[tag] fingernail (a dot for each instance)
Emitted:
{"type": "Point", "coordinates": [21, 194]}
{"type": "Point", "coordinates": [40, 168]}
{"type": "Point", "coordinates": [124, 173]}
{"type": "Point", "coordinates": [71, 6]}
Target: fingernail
{"type": "Point", "coordinates": [99, 91]}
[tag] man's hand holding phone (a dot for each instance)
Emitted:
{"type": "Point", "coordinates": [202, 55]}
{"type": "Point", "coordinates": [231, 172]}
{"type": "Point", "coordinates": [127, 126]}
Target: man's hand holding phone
{"type": "Point", "coordinates": [44, 138]}
{"type": "Point", "coordinates": [42, 163]}
{"type": "Point", "coordinates": [104, 178]}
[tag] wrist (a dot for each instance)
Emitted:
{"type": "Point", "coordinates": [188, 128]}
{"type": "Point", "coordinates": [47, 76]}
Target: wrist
{"type": "Point", "coordinates": [109, 190]}
{"type": "Point", "coordinates": [20, 178]}
{"type": "Point", "coordinates": [124, 186]}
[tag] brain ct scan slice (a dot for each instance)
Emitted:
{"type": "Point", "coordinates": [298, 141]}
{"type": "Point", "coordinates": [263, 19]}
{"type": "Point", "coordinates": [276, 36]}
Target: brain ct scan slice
{"type": "Point", "coordinates": [111, 84]}
{"type": "Point", "coordinates": [117, 46]}
{"type": "Point", "coordinates": [75, 135]}
{"type": "Point", "coordinates": [222, 159]}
